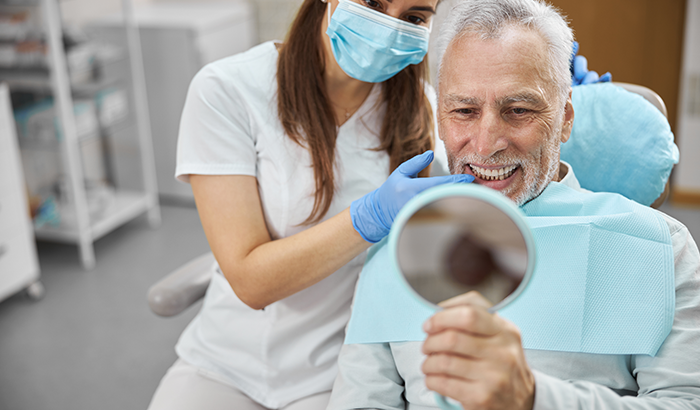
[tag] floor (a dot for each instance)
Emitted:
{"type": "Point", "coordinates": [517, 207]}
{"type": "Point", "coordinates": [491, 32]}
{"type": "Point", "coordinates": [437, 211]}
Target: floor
{"type": "Point", "coordinates": [92, 342]}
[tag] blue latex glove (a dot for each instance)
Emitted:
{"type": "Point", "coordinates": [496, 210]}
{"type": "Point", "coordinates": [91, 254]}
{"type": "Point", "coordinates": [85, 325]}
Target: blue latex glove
{"type": "Point", "coordinates": [373, 214]}
{"type": "Point", "coordinates": [579, 70]}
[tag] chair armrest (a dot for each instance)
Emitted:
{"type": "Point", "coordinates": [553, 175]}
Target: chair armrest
{"type": "Point", "coordinates": [182, 287]}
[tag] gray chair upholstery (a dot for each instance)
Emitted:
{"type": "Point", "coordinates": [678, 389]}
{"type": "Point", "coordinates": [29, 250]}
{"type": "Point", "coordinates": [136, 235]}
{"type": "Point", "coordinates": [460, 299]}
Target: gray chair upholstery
{"type": "Point", "coordinates": [181, 288]}
{"type": "Point", "coordinates": [187, 284]}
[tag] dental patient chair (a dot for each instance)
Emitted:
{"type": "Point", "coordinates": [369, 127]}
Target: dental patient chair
{"type": "Point", "coordinates": [187, 284]}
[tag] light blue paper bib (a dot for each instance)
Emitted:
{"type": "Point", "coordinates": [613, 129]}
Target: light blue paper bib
{"type": "Point", "coordinates": [603, 281]}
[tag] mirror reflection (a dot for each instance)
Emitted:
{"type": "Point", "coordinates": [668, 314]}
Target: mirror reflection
{"type": "Point", "coordinates": [459, 244]}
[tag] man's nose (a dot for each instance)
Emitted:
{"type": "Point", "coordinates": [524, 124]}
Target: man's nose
{"type": "Point", "coordinates": [490, 138]}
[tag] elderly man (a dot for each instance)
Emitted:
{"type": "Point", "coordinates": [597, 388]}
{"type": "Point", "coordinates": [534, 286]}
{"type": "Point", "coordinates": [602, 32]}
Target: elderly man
{"type": "Point", "coordinates": [504, 106]}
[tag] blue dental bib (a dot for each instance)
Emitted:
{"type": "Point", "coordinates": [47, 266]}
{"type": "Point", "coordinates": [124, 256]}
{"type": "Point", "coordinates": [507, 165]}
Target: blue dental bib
{"type": "Point", "coordinates": [603, 281]}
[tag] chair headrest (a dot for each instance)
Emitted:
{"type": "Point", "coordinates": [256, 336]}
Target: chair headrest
{"type": "Point", "coordinates": [619, 143]}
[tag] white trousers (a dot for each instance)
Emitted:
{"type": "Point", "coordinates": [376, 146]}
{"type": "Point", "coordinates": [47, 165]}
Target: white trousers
{"type": "Point", "coordinates": [184, 387]}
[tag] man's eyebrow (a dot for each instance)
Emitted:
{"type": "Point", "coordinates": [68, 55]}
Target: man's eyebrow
{"type": "Point", "coordinates": [527, 97]}
{"type": "Point", "coordinates": [461, 100]}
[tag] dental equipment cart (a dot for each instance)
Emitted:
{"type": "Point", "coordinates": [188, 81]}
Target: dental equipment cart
{"type": "Point", "coordinates": [19, 265]}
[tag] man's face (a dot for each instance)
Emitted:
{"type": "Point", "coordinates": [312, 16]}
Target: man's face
{"type": "Point", "coordinates": [499, 113]}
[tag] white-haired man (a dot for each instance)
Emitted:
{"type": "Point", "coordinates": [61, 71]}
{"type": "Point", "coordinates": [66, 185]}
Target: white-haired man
{"type": "Point", "coordinates": [504, 108]}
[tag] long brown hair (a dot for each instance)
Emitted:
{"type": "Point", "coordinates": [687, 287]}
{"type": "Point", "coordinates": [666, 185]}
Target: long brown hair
{"type": "Point", "coordinates": [308, 119]}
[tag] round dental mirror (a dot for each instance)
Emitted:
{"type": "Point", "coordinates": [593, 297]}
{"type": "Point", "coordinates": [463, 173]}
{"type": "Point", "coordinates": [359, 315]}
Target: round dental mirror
{"type": "Point", "coordinates": [460, 238]}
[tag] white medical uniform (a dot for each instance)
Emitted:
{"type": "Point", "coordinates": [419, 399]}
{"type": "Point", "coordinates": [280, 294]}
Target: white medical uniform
{"type": "Point", "coordinates": [230, 126]}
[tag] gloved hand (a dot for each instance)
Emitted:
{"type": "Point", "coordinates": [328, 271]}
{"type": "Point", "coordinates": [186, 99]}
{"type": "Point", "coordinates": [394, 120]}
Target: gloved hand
{"type": "Point", "coordinates": [373, 214]}
{"type": "Point", "coordinates": [579, 70]}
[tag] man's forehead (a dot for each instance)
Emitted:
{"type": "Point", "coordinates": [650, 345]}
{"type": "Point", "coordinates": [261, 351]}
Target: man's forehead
{"type": "Point", "coordinates": [512, 67]}
{"type": "Point", "coordinates": [524, 39]}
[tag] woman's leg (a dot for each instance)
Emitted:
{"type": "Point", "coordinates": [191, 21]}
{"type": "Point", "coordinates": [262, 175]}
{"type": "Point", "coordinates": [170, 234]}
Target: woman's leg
{"type": "Point", "coordinates": [318, 401]}
{"type": "Point", "coordinates": [184, 387]}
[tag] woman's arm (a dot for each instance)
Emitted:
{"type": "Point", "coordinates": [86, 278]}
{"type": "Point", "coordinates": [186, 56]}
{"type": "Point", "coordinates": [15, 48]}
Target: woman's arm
{"type": "Point", "coordinates": [262, 271]}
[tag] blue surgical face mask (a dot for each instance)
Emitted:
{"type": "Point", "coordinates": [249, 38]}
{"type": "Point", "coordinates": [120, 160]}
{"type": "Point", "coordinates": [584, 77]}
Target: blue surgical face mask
{"type": "Point", "coordinates": [371, 46]}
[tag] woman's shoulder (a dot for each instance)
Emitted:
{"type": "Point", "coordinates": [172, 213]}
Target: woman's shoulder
{"type": "Point", "coordinates": [256, 57]}
{"type": "Point", "coordinates": [250, 74]}
{"type": "Point", "coordinates": [254, 67]}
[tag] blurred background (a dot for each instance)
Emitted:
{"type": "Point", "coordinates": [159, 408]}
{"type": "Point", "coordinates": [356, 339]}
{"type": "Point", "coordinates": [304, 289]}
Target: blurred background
{"type": "Point", "coordinates": [89, 113]}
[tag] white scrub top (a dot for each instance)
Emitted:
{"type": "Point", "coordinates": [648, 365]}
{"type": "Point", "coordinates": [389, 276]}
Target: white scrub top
{"type": "Point", "coordinates": [230, 126]}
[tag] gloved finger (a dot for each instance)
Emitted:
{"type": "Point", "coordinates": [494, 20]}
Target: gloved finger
{"type": "Point", "coordinates": [605, 78]}
{"type": "Point", "coordinates": [590, 78]}
{"type": "Point", "coordinates": [421, 184]}
{"type": "Point", "coordinates": [413, 166]}
{"type": "Point", "coordinates": [580, 67]}
{"type": "Point", "coordinates": [574, 50]}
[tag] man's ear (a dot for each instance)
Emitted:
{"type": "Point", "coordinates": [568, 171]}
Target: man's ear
{"type": "Point", "coordinates": [568, 119]}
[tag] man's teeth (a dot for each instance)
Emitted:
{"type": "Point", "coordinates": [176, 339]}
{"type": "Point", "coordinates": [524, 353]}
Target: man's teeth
{"type": "Point", "coordinates": [493, 174]}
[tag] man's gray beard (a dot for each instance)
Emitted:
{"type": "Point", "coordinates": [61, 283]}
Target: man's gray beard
{"type": "Point", "coordinates": [536, 178]}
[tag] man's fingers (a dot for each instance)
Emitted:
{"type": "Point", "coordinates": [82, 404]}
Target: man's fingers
{"type": "Point", "coordinates": [464, 391]}
{"type": "Point", "coordinates": [455, 343]}
{"type": "Point", "coordinates": [461, 367]}
{"type": "Point", "coordinates": [470, 298]}
{"type": "Point", "coordinates": [465, 318]}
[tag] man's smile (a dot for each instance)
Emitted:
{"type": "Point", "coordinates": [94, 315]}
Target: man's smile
{"type": "Point", "coordinates": [493, 173]}
{"type": "Point", "coordinates": [498, 177]}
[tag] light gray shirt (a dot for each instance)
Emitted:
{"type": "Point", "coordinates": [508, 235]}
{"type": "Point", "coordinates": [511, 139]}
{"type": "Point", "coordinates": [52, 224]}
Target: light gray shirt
{"type": "Point", "coordinates": [388, 376]}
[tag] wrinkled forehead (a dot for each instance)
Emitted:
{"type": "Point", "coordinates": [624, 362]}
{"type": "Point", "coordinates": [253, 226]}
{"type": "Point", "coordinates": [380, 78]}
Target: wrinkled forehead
{"type": "Point", "coordinates": [511, 63]}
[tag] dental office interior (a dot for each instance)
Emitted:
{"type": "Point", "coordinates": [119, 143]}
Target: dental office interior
{"type": "Point", "coordinates": [91, 216]}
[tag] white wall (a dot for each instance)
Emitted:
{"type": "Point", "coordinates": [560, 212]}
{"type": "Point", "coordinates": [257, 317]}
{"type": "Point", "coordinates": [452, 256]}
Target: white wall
{"type": "Point", "coordinates": [274, 16]}
{"type": "Point", "coordinates": [687, 172]}
{"type": "Point", "coordinates": [77, 12]}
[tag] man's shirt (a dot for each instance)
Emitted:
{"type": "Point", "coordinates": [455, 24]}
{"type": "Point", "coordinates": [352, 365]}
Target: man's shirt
{"type": "Point", "coordinates": [388, 375]}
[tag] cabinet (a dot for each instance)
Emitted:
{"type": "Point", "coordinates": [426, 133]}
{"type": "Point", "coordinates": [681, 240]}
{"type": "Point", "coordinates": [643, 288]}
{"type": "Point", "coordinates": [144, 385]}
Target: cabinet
{"type": "Point", "coordinates": [82, 228]}
{"type": "Point", "coordinates": [19, 267]}
{"type": "Point", "coordinates": [178, 39]}
{"type": "Point", "coordinates": [638, 41]}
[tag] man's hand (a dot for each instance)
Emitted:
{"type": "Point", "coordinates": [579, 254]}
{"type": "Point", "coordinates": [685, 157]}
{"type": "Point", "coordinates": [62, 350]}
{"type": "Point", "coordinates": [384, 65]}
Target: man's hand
{"type": "Point", "coordinates": [476, 357]}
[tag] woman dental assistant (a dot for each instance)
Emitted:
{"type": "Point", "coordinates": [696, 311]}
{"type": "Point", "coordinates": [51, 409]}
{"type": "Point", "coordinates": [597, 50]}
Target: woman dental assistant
{"type": "Point", "coordinates": [288, 148]}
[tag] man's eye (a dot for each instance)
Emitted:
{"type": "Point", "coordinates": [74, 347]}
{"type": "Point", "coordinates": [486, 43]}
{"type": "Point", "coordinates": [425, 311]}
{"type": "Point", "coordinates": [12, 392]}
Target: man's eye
{"type": "Point", "coordinates": [519, 111]}
{"type": "Point", "coordinates": [466, 111]}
